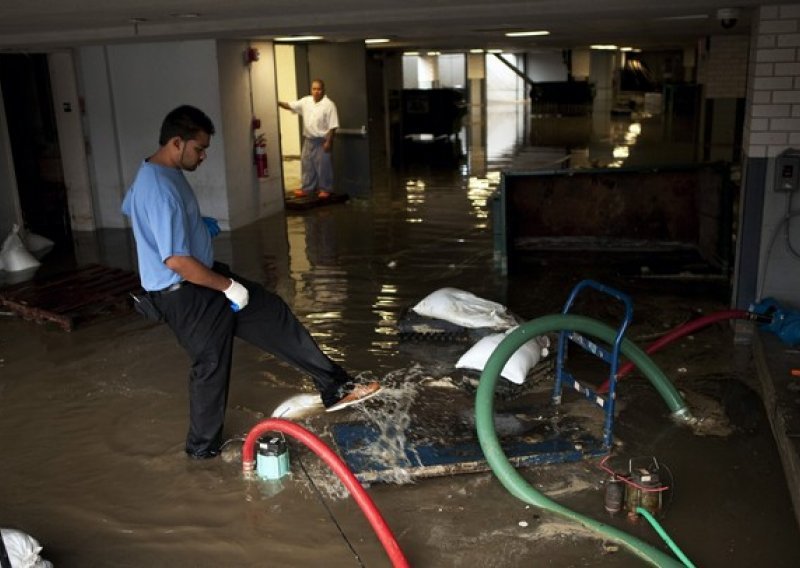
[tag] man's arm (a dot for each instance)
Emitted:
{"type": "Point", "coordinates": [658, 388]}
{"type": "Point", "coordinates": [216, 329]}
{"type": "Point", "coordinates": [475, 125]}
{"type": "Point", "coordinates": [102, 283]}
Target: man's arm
{"type": "Point", "coordinates": [197, 273]}
{"type": "Point", "coordinates": [328, 143]}
{"type": "Point", "coordinates": [284, 105]}
{"type": "Point", "coordinates": [333, 124]}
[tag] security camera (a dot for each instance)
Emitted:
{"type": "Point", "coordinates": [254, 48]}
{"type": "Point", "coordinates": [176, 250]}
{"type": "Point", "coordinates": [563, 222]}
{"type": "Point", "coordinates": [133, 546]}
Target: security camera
{"type": "Point", "coordinates": [728, 17]}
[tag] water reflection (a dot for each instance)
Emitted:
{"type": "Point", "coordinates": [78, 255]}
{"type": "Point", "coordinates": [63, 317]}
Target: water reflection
{"type": "Point", "coordinates": [356, 267]}
{"type": "Point", "coordinates": [597, 140]}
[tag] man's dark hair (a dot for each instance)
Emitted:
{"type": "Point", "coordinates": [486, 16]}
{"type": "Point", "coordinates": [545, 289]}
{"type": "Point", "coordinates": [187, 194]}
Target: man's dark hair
{"type": "Point", "coordinates": [185, 121]}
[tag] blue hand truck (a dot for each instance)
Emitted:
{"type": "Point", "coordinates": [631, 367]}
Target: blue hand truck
{"type": "Point", "coordinates": [565, 378]}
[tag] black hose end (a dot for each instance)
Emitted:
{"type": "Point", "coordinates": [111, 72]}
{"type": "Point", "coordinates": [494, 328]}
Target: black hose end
{"type": "Point", "coordinates": [760, 318]}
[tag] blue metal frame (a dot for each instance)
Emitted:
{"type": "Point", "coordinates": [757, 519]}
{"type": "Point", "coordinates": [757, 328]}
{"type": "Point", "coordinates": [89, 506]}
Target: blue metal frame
{"type": "Point", "coordinates": [606, 402]}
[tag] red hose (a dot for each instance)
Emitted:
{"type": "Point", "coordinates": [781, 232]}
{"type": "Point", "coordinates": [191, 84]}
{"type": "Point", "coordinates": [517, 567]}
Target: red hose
{"type": "Point", "coordinates": [337, 466]}
{"type": "Point", "coordinates": [677, 333]}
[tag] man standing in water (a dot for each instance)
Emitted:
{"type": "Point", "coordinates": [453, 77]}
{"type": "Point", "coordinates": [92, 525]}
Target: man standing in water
{"type": "Point", "coordinates": [202, 301]}
{"type": "Point", "coordinates": [320, 121]}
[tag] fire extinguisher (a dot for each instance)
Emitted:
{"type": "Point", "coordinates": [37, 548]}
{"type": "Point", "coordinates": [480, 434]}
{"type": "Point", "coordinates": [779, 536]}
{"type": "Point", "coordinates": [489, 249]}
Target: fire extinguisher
{"type": "Point", "coordinates": [260, 155]}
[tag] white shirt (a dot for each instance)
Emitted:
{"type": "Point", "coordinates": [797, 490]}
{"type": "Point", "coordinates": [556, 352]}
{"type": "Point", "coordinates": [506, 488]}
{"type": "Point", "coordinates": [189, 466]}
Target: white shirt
{"type": "Point", "coordinates": [318, 117]}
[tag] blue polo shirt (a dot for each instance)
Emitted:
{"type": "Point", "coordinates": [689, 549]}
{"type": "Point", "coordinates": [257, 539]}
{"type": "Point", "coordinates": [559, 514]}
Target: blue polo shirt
{"type": "Point", "coordinates": [166, 222]}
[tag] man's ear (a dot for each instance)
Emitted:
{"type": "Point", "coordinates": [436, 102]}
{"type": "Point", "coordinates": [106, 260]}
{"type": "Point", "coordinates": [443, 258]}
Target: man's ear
{"type": "Point", "coordinates": [176, 142]}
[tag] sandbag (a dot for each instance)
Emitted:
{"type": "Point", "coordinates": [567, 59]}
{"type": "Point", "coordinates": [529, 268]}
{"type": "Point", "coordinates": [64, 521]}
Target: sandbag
{"type": "Point", "coordinates": [299, 406]}
{"type": "Point", "coordinates": [465, 309]}
{"type": "Point", "coordinates": [36, 244]}
{"type": "Point", "coordinates": [23, 550]}
{"type": "Point", "coordinates": [14, 256]}
{"type": "Point", "coordinates": [517, 367]}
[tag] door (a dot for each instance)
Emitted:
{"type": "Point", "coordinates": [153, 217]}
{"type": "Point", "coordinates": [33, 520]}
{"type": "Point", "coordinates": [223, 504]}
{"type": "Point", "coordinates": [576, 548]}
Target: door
{"type": "Point", "coordinates": [346, 85]}
{"type": "Point", "coordinates": [33, 136]}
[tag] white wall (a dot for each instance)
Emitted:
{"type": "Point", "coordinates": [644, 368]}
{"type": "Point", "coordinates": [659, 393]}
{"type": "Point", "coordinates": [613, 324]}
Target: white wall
{"type": "Point", "coordinates": [265, 104]}
{"type": "Point", "coordinates": [127, 99]}
{"type": "Point", "coordinates": [247, 92]}
{"type": "Point", "coordinates": [452, 70]}
{"type": "Point", "coordinates": [105, 167]}
{"type": "Point", "coordinates": [772, 125]}
{"type": "Point", "coordinates": [289, 140]}
{"type": "Point", "coordinates": [237, 115]}
{"type": "Point", "coordinates": [410, 72]}
{"type": "Point", "coordinates": [502, 84]}
{"type": "Point", "coordinates": [71, 142]}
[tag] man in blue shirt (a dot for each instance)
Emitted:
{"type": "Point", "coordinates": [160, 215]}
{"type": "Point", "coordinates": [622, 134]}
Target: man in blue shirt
{"type": "Point", "coordinates": [203, 302]}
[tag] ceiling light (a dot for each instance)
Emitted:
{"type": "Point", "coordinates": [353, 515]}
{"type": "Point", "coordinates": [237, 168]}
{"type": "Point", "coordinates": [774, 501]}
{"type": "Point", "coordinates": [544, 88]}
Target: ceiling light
{"type": "Point", "coordinates": [476, 51]}
{"type": "Point", "coordinates": [494, 51]}
{"type": "Point", "coordinates": [608, 47]}
{"type": "Point", "coordinates": [434, 53]}
{"type": "Point", "coordinates": [526, 34]}
{"type": "Point", "coordinates": [632, 49]}
{"type": "Point", "coordinates": [377, 40]}
{"type": "Point", "coordinates": [299, 38]}
{"type": "Point", "coordinates": [186, 15]}
{"type": "Point", "coordinates": [411, 53]}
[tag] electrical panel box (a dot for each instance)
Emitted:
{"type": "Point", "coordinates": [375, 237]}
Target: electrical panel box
{"type": "Point", "coordinates": [787, 171]}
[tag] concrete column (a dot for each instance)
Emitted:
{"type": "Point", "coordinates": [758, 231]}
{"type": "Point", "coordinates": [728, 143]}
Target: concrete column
{"type": "Point", "coordinates": [476, 129]}
{"type": "Point", "coordinates": [428, 71]}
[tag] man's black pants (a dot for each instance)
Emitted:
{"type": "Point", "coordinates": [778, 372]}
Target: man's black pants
{"type": "Point", "coordinates": [205, 325]}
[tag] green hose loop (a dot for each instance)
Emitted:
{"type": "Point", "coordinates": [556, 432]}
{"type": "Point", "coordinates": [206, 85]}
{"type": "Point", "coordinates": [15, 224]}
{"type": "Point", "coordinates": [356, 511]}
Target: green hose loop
{"type": "Point", "coordinates": [498, 461]}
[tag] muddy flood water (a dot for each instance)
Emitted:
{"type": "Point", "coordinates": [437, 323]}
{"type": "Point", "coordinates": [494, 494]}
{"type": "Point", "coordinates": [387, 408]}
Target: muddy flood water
{"type": "Point", "coordinates": [92, 422]}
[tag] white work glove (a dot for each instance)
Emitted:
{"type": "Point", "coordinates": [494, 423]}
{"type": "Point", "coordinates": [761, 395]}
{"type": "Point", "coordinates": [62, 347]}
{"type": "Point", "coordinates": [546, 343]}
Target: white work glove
{"type": "Point", "coordinates": [237, 294]}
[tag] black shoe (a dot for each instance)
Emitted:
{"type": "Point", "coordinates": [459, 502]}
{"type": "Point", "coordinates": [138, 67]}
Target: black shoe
{"type": "Point", "coordinates": [203, 454]}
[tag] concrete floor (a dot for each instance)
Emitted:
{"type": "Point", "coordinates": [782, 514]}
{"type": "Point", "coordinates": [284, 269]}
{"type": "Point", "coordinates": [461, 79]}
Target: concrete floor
{"type": "Point", "coordinates": [92, 422]}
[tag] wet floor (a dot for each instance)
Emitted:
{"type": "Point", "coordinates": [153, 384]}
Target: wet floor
{"type": "Point", "coordinates": [92, 422]}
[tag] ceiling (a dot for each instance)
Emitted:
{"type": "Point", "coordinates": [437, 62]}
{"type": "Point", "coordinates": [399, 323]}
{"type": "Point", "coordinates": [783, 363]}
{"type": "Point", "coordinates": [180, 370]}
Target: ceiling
{"type": "Point", "coordinates": [28, 25]}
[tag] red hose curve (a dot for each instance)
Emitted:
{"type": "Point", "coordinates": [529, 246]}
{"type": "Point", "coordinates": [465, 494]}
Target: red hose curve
{"type": "Point", "coordinates": [336, 464]}
{"type": "Point", "coordinates": [677, 333]}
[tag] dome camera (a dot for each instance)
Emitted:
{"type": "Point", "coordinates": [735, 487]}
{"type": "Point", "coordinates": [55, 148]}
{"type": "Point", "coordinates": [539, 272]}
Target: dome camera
{"type": "Point", "coordinates": [728, 17]}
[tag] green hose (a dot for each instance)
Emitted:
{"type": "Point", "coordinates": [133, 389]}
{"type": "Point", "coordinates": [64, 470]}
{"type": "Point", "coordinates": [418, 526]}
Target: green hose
{"type": "Point", "coordinates": [508, 476]}
{"type": "Point", "coordinates": [663, 534]}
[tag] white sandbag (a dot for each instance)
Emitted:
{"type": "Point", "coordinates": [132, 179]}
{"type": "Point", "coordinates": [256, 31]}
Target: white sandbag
{"type": "Point", "coordinates": [465, 309]}
{"type": "Point", "coordinates": [14, 256]}
{"type": "Point", "coordinates": [299, 406]}
{"type": "Point", "coordinates": [23, 550]}
{"type": "Point", "coordinates": [36, 244]}
{"type": "Point", "coordinates": [17, 260]}
{"type": "Point", "coordinates": [517, 367]}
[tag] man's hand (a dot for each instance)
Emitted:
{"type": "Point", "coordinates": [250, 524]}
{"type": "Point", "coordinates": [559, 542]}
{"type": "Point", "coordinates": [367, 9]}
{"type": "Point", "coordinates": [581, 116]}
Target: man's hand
{"type": "Point", "coordinates": [212, 225]}
{"type": "Point", "coordinates": [237, 295]}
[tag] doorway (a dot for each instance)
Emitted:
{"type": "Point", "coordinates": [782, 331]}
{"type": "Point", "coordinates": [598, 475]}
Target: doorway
{"type": "Point", "coordinates": [32, 131]}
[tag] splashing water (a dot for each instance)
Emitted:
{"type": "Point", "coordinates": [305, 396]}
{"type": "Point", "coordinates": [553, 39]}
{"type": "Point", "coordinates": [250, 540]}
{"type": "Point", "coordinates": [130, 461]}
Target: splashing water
{"type": "Point", "coordinates": [392, 419]}
{"type": "Point", "coordinates": [389, 414]}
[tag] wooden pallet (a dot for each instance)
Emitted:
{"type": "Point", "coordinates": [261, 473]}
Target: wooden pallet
{"type": "Point", "coordinates": [73, 296]}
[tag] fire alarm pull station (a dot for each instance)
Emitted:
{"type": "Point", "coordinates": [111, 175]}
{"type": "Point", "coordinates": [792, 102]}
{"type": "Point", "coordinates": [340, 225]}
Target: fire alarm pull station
{"type": "Point", "coordinates": [787, 170]}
